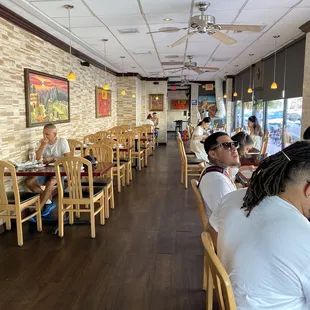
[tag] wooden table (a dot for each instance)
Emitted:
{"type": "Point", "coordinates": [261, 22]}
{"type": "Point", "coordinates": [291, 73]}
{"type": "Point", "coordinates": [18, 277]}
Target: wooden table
{"type": "Point", "coordinates": [251, 159]}
{"type": "Point", "coordinates": [49, 171]}
{"type": "Point", "coordinates": [242, 179]}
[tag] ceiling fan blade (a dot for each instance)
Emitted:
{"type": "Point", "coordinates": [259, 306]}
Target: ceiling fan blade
{"type": "Point", "coordinates": [168, 29]}
{"type": "Point", "coordinates": [174, 68]}
{"type": "Point", "coordinates": [197, 70]}
{"type": "Point", "coordinates": [183, 39]}
{"type": "Point", "coordinates": [253, 28]}
{"type": "Point", "coordinates": [208, 68]}
{"type": "Point", "coordinates": [224, 38]}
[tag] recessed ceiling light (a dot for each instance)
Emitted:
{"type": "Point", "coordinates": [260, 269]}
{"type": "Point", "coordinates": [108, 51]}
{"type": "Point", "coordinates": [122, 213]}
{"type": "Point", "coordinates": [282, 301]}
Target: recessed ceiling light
{"type": "Point", "coordinates": [172, 56]}
{"type": "Point", "coordinates": [169, 46]}
{"type": "Point", "coordinates": [167, 19]}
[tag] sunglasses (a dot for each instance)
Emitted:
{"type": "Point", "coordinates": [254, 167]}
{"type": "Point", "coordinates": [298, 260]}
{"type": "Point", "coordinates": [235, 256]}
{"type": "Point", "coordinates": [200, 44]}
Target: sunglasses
{"type": "Point", "coordinates": [227, 145]}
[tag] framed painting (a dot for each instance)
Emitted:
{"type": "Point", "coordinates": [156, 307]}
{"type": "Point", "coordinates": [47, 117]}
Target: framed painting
{"type": "Point", "coordinates": [181, 104]}
{"type": "Point", "coordinates": [47, 98]}
{"type": "Point", "coordinates": [156, 102]}
{"type": "Point", "coordinates": [103, 102]}
{"type": "Point", "coordinates": [258, 75]}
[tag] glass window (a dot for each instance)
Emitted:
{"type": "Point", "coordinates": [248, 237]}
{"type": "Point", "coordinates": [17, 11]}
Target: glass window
{"type": "Point", "coordinates": [259, 112]}
{"type": "Point", "coordinates": [247, 112]}
{"type": "Point", "coordinates": [275, 125]}
{"type": "Point", "coordinates": [292, 131]}
{"type": "Point", "coordinates": [238, 120]}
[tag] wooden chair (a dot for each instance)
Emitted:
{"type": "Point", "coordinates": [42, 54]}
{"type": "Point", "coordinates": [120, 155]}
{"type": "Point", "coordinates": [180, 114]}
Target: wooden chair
{"type": "Point", "coordinates": [205, 225]}
{"type": "Point", "coordinates": [92, 138]}
{"type": "Point", "coordinates": [75, 194]}
{"type": "Point", "coordinates": [217, 277]}
{"type": "Point", "coordinates": [189, 166]}
{"type": "Point", "coordinates": [264, 147]}
{"type": "Point", "coordinates": [74, 144]}
{"type": "Point", "coordinates": [104, 153]}
{"type": "Point", "coordinates": [116, 130]}
{"type": "Point", "coordinates": [119, 167]}
{"type": "Point", "coordinates": [188, 153]}
{"type": "Point", "coordinates": [150, 135]}
{"type": "Point", "coordinates": [144, 145]}
{"type": "Point", "coordinates": [127, 141]}
{"type": "Point", "coordinates": [137, 153]}
{"type": "Point", "coordinates": [238, 129]}
{"type": "Point", "coordinates": [12, 203]}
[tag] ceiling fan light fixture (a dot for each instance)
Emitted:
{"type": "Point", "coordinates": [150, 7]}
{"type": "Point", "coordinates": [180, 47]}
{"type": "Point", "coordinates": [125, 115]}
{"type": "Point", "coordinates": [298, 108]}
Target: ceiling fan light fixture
{"type": "Point", "coordinates": [169, 46]}
{"type": "Point", "coordinates": [274, 85]}
{"type": "Point", "coordinates": [167, 19]}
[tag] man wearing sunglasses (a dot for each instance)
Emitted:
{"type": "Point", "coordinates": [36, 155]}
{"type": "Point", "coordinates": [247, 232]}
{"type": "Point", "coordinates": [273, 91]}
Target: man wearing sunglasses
{"type": "Point", "coordinates": [215, 182]}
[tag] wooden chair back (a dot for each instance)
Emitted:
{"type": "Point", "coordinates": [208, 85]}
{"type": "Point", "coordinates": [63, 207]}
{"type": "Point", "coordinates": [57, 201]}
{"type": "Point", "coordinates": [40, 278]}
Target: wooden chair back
{"type": "Point", "coordinates": [181, 149]}
{"type": "Point", "coordinates": [238, 129]}
{"type": "Point", "coordinates": [74, 144]}
{"type": "Point", "coordinates": [3, 197]}
{"type": "Point", "coordinates": [221, 281]}
{"type": "Point", "coordinates": [265, 140]}
{"type": "Point", "coordinates": [200, 206]}
{"type": "Point", "coordinates": [102, 152]}
{"type": "Point", "coordinates": [116, 130]}
{"type": "Point", "coordinates": [91, 138]}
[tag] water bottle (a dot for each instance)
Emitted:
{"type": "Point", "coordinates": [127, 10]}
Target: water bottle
{"type": "Point", "coordinates": [32, 156]}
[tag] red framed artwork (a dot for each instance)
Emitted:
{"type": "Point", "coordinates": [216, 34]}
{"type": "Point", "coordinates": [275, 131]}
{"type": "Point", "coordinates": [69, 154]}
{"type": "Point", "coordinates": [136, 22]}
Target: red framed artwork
{"type": "Point", "coordinates": [103, 102]}
{"type": "Point", "coordinates": [47, 99]}
{"type": "Point", "coordinates": [179, 104]}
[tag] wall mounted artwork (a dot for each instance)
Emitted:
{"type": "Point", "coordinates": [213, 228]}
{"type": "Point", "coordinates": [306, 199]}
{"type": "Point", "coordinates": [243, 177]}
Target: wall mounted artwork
{"type": "Point", "coordinates": [47, 98]}
{"type": "Point", "coordinates": [156, 102]}
{"type": "Point", "coordinates": [181, 104]}
{"type": "Point", "coordinates": [103, 102]}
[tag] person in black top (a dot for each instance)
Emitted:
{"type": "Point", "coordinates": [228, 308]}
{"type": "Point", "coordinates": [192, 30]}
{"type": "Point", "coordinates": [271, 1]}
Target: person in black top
{"type": "Point", "coordinates": [306, 135]}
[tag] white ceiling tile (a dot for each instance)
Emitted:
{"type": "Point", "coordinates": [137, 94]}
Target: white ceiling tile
{"type": "Point", "coordinates": [164, 7]}
{"type": "Point", "coordinates": [267, 4]}
{"type": "Point", "coordinates": [300, 15]}
{"type": "Point", "coordinates": [123, 21]}
{"type": "Point", "coordinates": [94, 32]}
{"type": "Point", "coordinates": [108, 7]}
{"type": "Point", "coordinates": [261, 16]}
{"type": "Point", "coordinates": [78, 22]}
{"type": "Point", "coordinates": [56, 8]}
{"type": "Point", "coordinates": [176, 18]}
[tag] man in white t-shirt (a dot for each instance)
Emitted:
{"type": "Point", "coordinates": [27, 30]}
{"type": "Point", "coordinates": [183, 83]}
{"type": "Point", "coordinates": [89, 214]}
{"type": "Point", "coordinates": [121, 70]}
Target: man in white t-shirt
{"type": "Point", "coordinates": [215, 181]}
{"type": "Point", "coordinates": [263, 234]}
{"type": "Point", "coordinates": [51, 148]}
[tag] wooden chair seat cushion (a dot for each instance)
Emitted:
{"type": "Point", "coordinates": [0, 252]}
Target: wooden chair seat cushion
{"type": "Point", "coordinates": [24, 197]}
{"type": "Point", "coordinates": [194, 161]}
{"type": "Point", "coordinates": [99, 182]}
{"type": "Point", "coordinates": [85, 192]}
{"type": "Point", "coordinates": [122, 161]}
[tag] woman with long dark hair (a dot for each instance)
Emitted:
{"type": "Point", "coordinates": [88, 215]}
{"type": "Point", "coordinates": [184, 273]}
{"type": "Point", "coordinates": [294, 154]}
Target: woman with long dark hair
{"type": "Point", "coordinates": [198, 135]}
{"type": "Point", "coordinates": [256, 131]}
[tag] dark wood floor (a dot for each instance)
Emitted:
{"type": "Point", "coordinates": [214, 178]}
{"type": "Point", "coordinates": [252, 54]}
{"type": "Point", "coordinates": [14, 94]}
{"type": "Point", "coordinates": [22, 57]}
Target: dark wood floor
{"type": "Point", "coordinates": [147, 256]}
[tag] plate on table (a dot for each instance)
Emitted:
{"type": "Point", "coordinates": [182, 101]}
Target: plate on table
{"type": "Point", "coordinates": [51, 164]}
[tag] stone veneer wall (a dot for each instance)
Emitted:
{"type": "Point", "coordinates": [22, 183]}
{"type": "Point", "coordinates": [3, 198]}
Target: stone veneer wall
{"type": "Point", "coordinates": [126, 105]}
{"type": "Point", "coordinates": [20, 49]}
{"type": "Point", "coordinates": [229, 103]}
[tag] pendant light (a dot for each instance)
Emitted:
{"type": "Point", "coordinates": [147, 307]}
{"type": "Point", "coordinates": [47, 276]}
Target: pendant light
{"type": "Point", "coordinates": [250, 90]}
{"type": "Point", "coordinates": [225, 96]}
{"type": "Point", "coordinates": [235, 94]}
{"type": "Point", "coordinates": [133, 74]}
{"type": "Point", "coordinates": [274, 84]}
{"type": "Point", "coordinates": [71, 76]}
{"type": "Point", "coordinates": [123, 92]}
{"type": "Point", "coordinates": [106, 85]}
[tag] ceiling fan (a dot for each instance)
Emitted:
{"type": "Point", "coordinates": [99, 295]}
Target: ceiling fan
{"type": "Point", "coordinates": [191, 65]}
{"type": "Point", "coordinates": [206, 24]}
{"type": "Point", "coordinates": [184, 82]}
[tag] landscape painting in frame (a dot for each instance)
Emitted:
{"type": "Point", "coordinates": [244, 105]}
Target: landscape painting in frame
{"type": "Point", "coordinates": [47, 99]}
{"type": "Point", "coordinates": [103, 102]}
{"type": "Point", "coordinates": [156, 102]}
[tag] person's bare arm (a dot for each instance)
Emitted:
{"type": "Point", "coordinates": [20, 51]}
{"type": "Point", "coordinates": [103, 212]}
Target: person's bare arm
{"type": "Point", "coordinates": [39, 151]}
{"type": "Point", "coordinates": [67, 154]}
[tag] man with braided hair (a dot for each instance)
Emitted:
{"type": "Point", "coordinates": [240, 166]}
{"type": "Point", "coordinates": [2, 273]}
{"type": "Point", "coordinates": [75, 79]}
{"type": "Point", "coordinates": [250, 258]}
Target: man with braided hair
{"type": "Point", "coordinates": [263, 234]}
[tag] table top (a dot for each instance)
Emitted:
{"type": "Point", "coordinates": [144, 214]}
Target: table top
{"type": "Point", "coordinates": [243, 178]}
{"type": "Point", "coordinates": [49, 171]}
{"type": "Point", "coordinates": [251, 159]}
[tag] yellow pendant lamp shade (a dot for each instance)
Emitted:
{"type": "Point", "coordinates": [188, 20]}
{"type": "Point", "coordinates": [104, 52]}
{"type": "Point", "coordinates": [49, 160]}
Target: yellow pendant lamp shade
{"type": "Point", "coordinates": [123, 92]}
{"type": "Point", "coordinates": [235, 94]}
{"type": "Point", "coordinates": [225, 96]}
{"type": "Point", "coordinates": [106, 86]}
{"type": "Point", "coordinates": [274, 85]}
{"type": "Point", "coordinates": [71, 76]}
{"type": "Point", "coordinates": [133, 95]}
{"type": "Point", "coordinates": [250, 90]}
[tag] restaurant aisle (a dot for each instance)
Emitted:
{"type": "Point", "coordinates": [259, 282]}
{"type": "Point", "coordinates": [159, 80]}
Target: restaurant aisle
{"type": "Point", "coordinates": [148, 256]}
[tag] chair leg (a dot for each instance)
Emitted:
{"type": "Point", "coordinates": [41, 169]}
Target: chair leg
{"type": "Point", "coordinates": [106, 203]}
{"type": "Point", "coordinates": [185, 176]}
{"type": "Point", "coordinates": [71, 216]}
{"type": "Point", "coordinates": [8, 225]}
{"type": "Point", "coordinates": [209, 293]}
{"type": "Point", "coordinates": [78, 214]}
{"type": "Point", "coordinates": [182, 174]}
{"type": "Point", "coordinates": [141, 161]}
{"type": "Point", "coordinates": [60, 220]}
{"type": "Point", "coordinates": [123, 176]}
{"type": "Point", "coordinates": [205, 273]}
{"type": "Point", "coordinates": [145, 158]}
{"type": "Point", "coordinates": [92, 221]}
{"type": "Point", "coordinates": [128, 174]}
{"type": "Point", "coordinates": [112, 196]}
{"type": "Point", "coordinates": [119, 187]}
{"type": "Point", "coordinates": [39, 218]}
{"type": "Point", "coordinates": [103, 204]}
{"type": "Point", "coordinates": [19, 228]}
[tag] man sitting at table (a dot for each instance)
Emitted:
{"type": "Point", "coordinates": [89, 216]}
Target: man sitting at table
{"type": "Point", "coordinates": [214, 181]}
{"type": "Point", "coordinates": [51, 148]}
{"type": "Point", "coordinates": [263, 233]}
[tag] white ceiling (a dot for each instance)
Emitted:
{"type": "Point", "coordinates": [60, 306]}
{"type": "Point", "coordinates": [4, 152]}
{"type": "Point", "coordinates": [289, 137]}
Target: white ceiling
{"type": "Point", "coordinates": [94, 20]}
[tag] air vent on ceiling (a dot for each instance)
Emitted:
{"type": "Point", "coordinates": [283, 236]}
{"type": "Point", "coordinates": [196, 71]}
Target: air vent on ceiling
{"type": "Point", "coordinates": [172, 63]}
{"type": "Point", "coordinates": [219, 59]}
{"type": "Point", "coordinates": [237, 31]}
{"type": "Point", "coordinates": [128, 30]}
{"type": "Point", "coordinates": [172, 56]}
{"type": "Point", "coordinates": [142, 53]}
